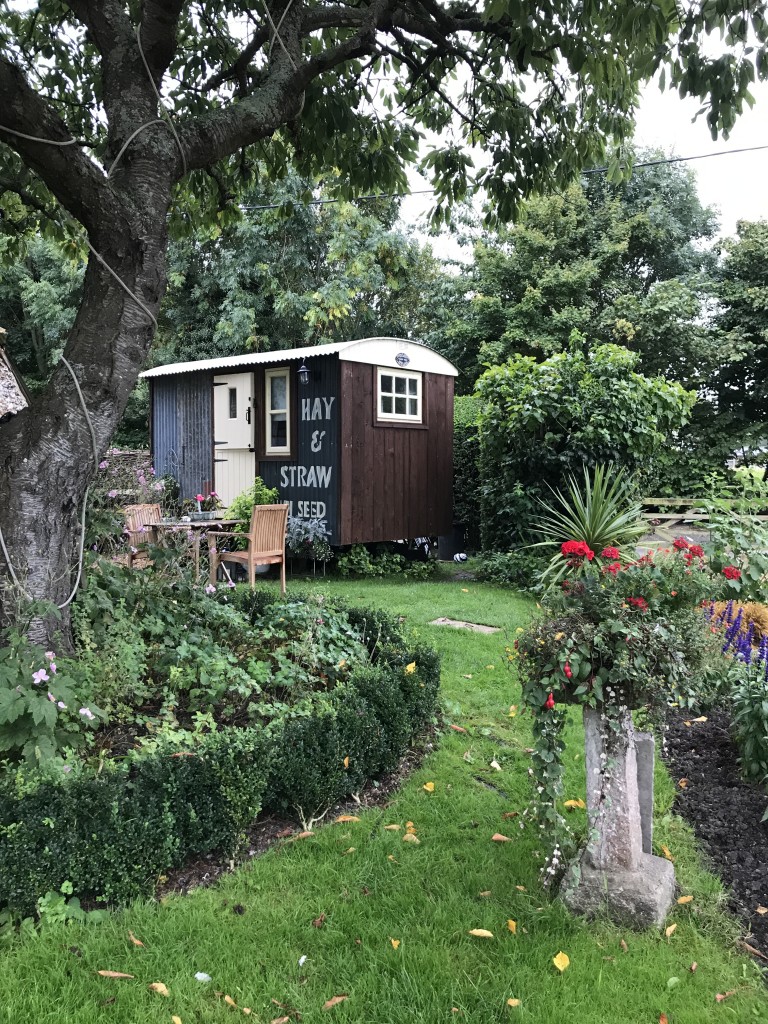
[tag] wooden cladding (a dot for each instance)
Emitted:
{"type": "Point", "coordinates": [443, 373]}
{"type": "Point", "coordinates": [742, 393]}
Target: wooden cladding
{"type": "Point", "coordinates": [396, 479]}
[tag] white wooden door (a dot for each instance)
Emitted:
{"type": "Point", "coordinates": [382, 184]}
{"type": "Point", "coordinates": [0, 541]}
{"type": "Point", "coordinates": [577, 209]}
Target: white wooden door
{"type": "Point", "coordinates": [233, 420]}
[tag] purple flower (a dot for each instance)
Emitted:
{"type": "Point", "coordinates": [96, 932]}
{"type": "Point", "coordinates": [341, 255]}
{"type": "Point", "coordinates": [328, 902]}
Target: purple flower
{"type": "Point", "coordinates": [151, 470]}
{"type": "Point", "coordinates": [231, 585]}
{"type": "Point", "coordinates": [210, 589]}
{"type": "Point", "coordinates": [52, 667]}
{"type": "Point", "coordinates": [112, 494]}
{"type": "Point", "coordinates": [103, 464]}
{"type": "Point", "coordinates": [51, 697]}
{"type": "Point", "coordinates": [61, 705]}
{"type": "Point", "coordinates": [41, 676]}
{"type": "Point", "coordinates": [50, 655]}
{"type": "Point", "coordinates": [87, 713]}
{"type": "Point", "coordinates": [158, 485]}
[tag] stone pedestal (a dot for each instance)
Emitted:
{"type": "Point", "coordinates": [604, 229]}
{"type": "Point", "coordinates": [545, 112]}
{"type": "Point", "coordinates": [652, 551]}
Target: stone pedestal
{"type": "Point", "coordinates": [616, 874]}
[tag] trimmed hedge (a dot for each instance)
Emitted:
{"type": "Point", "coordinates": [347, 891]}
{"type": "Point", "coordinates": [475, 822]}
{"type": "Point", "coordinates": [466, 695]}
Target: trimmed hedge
{"type": "Point", "coordinates": [112, 835]}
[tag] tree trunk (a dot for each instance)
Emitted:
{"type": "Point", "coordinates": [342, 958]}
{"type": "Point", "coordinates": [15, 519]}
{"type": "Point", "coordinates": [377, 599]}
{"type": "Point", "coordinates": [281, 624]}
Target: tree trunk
{"type": "Point", "coordinates": [47, 453]}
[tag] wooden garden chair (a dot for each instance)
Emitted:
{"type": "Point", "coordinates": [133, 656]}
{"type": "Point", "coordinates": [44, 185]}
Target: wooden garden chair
{"type": "Point", "coordinates": [141, 522]}
{"type": "Point", "coordinates": [265, 544]}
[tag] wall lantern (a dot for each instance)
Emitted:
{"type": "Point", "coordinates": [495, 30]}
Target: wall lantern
{"type": "Point", "coordinates": [303, 374]}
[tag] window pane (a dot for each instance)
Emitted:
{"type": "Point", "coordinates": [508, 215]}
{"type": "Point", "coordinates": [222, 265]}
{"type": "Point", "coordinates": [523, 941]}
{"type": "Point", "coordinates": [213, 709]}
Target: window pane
{"type": "Point", "coordinates": [386, 383]}
{"type": "Point", "coordinates": [413, 407]}
{"type": "Point", "coordinates": [386, 403]}
{"type": "Point", "coordinates": [277, 393]}
{"type": "Point", "coordinates": [399, 385]}
{"type": "Point", "coordinates": [399, 407]}
{"type": "Point", "coordinates": [278, 430]}
{"type": "Point", "coordinates": [233, 403]}
{"type": "Point", "coordinates": [412, 386]}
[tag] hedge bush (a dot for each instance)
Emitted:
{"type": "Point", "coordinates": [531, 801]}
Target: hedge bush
{"type": "Point", "coordinates": [112, 835]}
{"type": "Point", "coordinates": [466, 473]}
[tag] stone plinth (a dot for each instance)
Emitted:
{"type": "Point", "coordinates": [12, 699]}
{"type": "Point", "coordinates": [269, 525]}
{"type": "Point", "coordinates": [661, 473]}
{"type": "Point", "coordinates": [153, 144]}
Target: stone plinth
{"type": "Point", "coordinates": [616, 874]}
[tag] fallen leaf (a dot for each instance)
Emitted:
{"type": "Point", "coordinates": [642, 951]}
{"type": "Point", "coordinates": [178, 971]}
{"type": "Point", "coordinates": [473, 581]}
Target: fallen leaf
{"type": "Point", "coordinates": [481, 933]}
{"type": "Point", "coordinates": [350, 850]}
{"type": "Point", "coordinates": [464, 590]}
{"type": "Point", "coordinates": [114, 974]}
{"type": "Point", "coordinates": [672, 983]}
{"type": "Point", "coordinates": [410, 668]}
{"type": "Point", "coordinates": [724, 995]}
{"type": "Point", "coordinates": [575, 804]}
{"type": "Point", "coordinates": [318, 922]}
{"type": "Point", "coordinates": [284, 833]}
{"type": "Point", "coordinates": [395, 943]}
{"type": "Point", "coordinates": [304, 835]}
{"type": "Point", "coordinates": [160, 988]}
{"type": "Point", "coordinates": [701, 718]}
{"type": "Point", "coordinates": [392, 857]}
{"type": "Point", "coordinates": [683, 783]}
{"type": "Point", "coordinates": [663, 1018]}
{"type": "Point", "coordinates": [134, 940]}
{"type": "Point", "coordinates": [495, 764]}
{"type": "Point", "coordinates": [512, 711]}
{"type": "Point", "coordinates": [175, 1019]}
{"type": "Point", "coordinates": [688, 724]}
{"type": "Point", "coordinates": [694, 967]}
{"type": "Point", "coordinates": [467, 676]}
{"type": "Point", "coordinates": [279, 1020]}
{"type": "Point", "coordinates": [669, 932]}
{"type": "Point", "coordinates": [497, 837]}
{"type": "Point", "coordinates": [230, 1001]}
{"type": "Point", "coordinates": [467, 755]}
{"type": "Point", "coordinates": [667, 853]}
{"type": "Point", "coordinates": [490, 666]}
{"type": "Point", "coordinates": [624, 946]}
{"type": "Point", "coordinates": [513, 1002]}
{"type": "Point", "coordinates": [409, 824]}
{"type": "Point", "coordinates": [409, 837]}
{"type": "Point", "coordinates": [761, 910]}
{"type": "Point", "coordinates": [458, 728]}
{"type": "Point", "coordinates": [685, 899]}
{"type": "Point", "coordinates": [562, 961]}
{"type": "Point", "coordinates": [347, 817]}
{"type": "Point", "coordinates": [428, 787]}
{"type": "Point", "coordinates": [510, 814]}
{"type": "Point", "coordinates": [485, 893]}
{"type": "Point", "coordinates": [520, 888]}
{"type": "Point", "coordinates": [334, 1001]}
{"type": "Point", "coordinates": [751, 949]}
{"type": "Point", "coordinates": [345, 762]}
{"type": "Point", "coordinates": [283, 1006]}
{"type": "Point", "coordinates": [512, 925]}
{"type": "Point", "coordinates": [393, 828]}
{"type": "Point", "coordinates": [247, 1011]}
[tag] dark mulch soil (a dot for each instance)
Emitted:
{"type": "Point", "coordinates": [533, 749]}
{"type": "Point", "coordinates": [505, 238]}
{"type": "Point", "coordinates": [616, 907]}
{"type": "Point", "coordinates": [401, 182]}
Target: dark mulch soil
{"type": "Point", "coordinates": [725, 813]}
{"type": "Point", "coordinates": [266, 831]}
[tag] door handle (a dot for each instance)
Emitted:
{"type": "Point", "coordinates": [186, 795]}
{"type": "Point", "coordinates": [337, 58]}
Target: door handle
{"type": "Point", "coordinates": [248, 414]}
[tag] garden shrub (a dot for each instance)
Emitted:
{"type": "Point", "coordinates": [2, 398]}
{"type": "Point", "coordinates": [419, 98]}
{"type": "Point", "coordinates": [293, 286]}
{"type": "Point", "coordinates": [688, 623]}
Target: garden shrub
{"type": "Point", "coordinates": [519, 568]}
{"type": "Point", "coordinates": [359, 560]}
{"type": "Point", "coordinates": [466, 473]}
{"type": "Point", "coordinates": [541, 421]}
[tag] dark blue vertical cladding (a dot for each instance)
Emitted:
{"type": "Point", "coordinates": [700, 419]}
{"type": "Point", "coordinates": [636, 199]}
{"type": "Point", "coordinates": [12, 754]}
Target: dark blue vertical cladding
{"type": "Point", "coordinates": [181, 430]}
{"type": "Point", "coordinates": [311, 482]}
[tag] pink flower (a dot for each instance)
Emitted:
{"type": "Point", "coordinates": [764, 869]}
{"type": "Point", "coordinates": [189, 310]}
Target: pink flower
{"type": "Point", "coordinates": [112, 494]}
{"type": "Point", "coordinates": [50, 655]}
{"type": "Point", "coordinates": [51, 697]}
{"type": "Point", "coordinates": [199, 497]}
{"type": "Point", "coordinates": [210, 589]}
{"type": "Point", "coordinates": [103, 465]}
{"type": "Point", "coordinates": [41, 676]}
{"type": "Point", "coordinates": [61, 705]}
{"type": "Point", "coordinates": [87, 713]}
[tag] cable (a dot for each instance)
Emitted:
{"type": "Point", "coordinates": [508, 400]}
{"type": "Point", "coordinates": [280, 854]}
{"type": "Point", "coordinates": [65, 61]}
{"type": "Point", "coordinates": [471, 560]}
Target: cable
{"type": "Point", "coordinates": [122, 283]}
{"type": "Point", "coordinates": [162, 107]}
{"type": "Point", "coordinates": [129, 140]}
{"type": "Point", "coordinates": [34, 138]}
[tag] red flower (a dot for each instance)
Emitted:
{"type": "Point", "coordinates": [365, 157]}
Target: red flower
{"type": "Point", "coordinates": [568, 670]}
{"type": "Point", "coordinates": [731, 572]}
{"type": "Point", "coordinates": [639, 602]}
{"type": "Point", "coordinates": [612, 553]}
{"type": "Point", "coordinates": [613, 568]}
{"type": "Point", "coordinates": [680, 544]}
{"type": "Point", "coordinates": [577, 549]}
{"type": "Point", "coordinates": [696, 550]}
{"type": "Point", "coordinates": [550, 702]}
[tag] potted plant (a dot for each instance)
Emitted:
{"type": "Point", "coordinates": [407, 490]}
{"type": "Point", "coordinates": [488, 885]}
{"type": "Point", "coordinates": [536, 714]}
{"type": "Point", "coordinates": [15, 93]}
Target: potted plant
{"type": "Point", "coordinates": [207, 506]}
{"type": "Point", "coordinates": [307, 539]}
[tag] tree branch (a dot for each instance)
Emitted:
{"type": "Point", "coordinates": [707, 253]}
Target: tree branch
{"type": "Point", "coordinates": [158, 34]}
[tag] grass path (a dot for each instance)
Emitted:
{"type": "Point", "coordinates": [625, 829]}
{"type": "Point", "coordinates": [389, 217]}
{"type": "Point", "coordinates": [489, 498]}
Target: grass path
{"type": "Point", "coordinates": [373, 887]}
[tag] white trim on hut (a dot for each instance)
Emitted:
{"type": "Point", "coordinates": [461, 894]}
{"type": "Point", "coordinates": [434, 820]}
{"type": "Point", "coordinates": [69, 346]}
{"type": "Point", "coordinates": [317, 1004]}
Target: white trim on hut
{"type": "Point", "coordinates": [12, 393]}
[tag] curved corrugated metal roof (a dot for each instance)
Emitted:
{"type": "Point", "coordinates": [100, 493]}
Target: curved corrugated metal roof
{"type": "Point", "coordinates": [355, 350]}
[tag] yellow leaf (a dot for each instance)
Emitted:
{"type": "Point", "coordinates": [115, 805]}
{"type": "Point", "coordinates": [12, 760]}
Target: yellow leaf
{"type": "Point", "coordinates": [683, 783]}
{"type": "Point", "coordinates": [410, 668]}
{"type": "Point", "coordinates": [409, 824]}
{"type": "Point", "coordinates": [334, 1001]}
{"type": "Point", "coordinates": [393, 828]}
{"type": "Point", "coordinates": [485, 893]}
{"type": "Point", "coordinates": [520, 888]}
{"type": "Point", "coordinates": [481, 933]}
{"type": "Point", "coordinates": [671, 930]}
{"type": "Point", "coordinates": [350, 850]}
{"type": "Point", "coordinates": [175, 1019]}
{"type": "Point", "coordinates": [230, 1001]}
{"type": "Point", "coordinates": [497, 837]}
{"type": "Point", "coordinates": [346, 817]}
{"type": "Point", "coordinates": [490, 666]}
{"type": "Point", "coordinates": [685, 899]}
{"type": "Point", "coordinates": [160, 988]}
{"type": "Point", "coordinates": [761, 910]}
{"type": "Point", "coordinates": [513, 1002]}
{"type": "Point", "coordinates": [701, 718]}
{"type": "Point", "coordinates": [395, 943]}
{"type": "Point", "coordinates": [562, 961]}
{"type": "Point", "coordinates": [464, 590]}
{"type": "Point", "coordinates": [559, 636]}
{"type": "Point", "coordinates": [667, 853]}
{"type": "Point", "coordinates": [575, 804]}
{"type": "Point", "coordinates": [429, 787]}
{"type": "Point", "coordinates": [409, 837]}
{"type": "Point", "coordinates": [114, 974]}
{"type": "Point", "coordinates": [304, 835]}
{"type": "Point", "coordinates": [134, 940]}
{"type": "Point", "coordinates": [342, 663]}
{"type": "Point", "coordinates": [346, 762]}
{"type": "Point", "coordinates": [512, 925]}
{"type": "Point", "coordinates": [495, 764]}
{"type": "Point", "coordinates": [392, 857]}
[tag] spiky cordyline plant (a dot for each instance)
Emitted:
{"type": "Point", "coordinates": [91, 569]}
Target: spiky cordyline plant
{"type": "Point", "coordinates": [602, 512]}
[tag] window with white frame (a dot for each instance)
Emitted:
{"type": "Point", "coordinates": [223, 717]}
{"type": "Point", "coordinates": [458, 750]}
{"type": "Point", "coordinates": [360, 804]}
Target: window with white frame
{"type": "Point", "coordinates": [398, 395]}
{"type": "Point", "coordinates": [277, 387]}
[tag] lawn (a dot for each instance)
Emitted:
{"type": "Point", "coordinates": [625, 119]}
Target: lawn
{"type": "Point", "coordinates": [394, 935]}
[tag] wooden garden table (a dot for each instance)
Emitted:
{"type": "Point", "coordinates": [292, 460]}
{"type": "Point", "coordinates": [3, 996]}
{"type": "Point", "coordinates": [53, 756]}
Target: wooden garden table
{"type": "Point", "coordinates": [195, 527]}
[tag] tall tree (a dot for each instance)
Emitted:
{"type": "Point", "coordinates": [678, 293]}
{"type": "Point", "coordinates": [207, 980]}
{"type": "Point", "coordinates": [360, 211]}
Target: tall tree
{"type": "Point", "coordinates": [346, 85]}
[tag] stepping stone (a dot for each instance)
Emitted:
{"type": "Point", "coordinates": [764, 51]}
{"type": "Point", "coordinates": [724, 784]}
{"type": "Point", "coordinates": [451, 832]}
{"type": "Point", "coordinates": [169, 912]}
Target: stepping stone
{"type": "Point", "coordinates": [474, 627]}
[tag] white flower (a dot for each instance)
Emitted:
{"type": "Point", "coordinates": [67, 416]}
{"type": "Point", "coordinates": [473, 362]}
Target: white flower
{"type": "Point", "coordinates": [202, 976]}
{"type": "Point", "coordinates": [87, 713]}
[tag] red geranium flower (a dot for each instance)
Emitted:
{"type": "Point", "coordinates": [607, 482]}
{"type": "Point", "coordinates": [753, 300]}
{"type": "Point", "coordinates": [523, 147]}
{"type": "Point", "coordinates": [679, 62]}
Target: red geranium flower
{"type": "Point", "coordinates": [612, 553]}
{"type": "Point", "coordinates": [680, 544]}
{"type": "Point", "coordinates": [696, 550]}
{"type": "Point", "coordinates": [577, 549]}
{"type": "Point", "coordinates": [639, 602]}
{"type": "Point", "coordinates": [613, 568]}
{"type": "Point", "coordinates": [731, 572]}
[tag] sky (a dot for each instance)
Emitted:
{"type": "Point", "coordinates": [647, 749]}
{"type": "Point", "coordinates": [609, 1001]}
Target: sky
{"type": "Point", "coordinates": [737, 185]}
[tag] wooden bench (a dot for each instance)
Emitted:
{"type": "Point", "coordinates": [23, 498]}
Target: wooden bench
{"type": "Point", "coordinates": [667, 524]}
